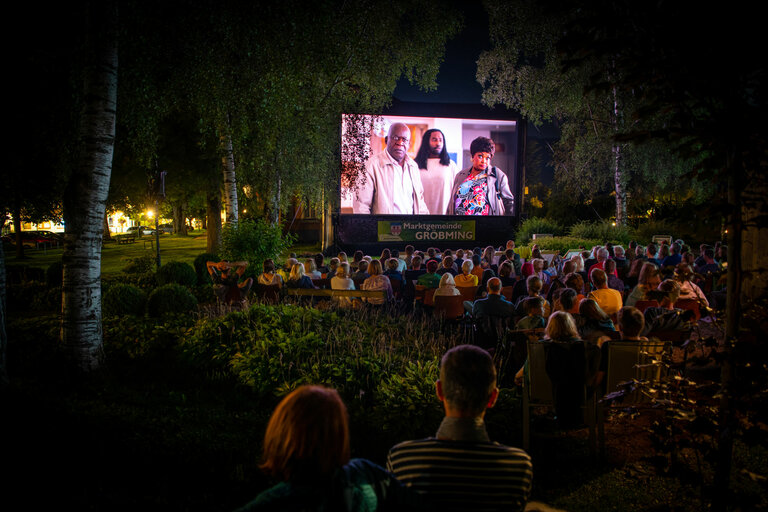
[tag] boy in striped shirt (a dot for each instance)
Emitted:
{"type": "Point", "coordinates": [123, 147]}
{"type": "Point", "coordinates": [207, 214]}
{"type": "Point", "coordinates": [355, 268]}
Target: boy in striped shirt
{"type": "Point", "coordinates": [461, 468]}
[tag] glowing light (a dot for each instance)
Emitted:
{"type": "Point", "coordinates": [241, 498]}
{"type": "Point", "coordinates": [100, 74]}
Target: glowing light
{"type": "Point", "coordinates": [150, 213]}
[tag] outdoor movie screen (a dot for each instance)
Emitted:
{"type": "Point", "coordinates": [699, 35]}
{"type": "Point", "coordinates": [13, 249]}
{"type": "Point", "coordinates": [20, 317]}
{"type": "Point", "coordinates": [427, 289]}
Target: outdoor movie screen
{"type": "Point", "coordinates": [425, 167]}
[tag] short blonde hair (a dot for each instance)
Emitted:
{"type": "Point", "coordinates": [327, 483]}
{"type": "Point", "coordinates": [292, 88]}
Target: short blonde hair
{"type": "Point", "coordinates": [374, 268]}
{"type": "Point", "coordinates": [561, 326]}
{"type": "Point", "coordinates": [342, 270]}
{"type": "Point", "coordinates": [297, 272]}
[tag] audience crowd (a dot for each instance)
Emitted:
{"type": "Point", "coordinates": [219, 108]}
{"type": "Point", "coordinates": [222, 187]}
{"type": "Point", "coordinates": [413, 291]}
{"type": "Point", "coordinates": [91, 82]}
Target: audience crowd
{"type": "Point", "coordinates": [578, 306]}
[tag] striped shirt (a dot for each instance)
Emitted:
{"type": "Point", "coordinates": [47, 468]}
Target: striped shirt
{"type": "Point", "coordinates": [464, 475]}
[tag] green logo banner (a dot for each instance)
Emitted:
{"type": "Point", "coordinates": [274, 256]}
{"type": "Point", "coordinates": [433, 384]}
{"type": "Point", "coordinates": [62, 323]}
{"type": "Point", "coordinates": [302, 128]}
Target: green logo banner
{"type": "Point", "coordinates": [410, 231]}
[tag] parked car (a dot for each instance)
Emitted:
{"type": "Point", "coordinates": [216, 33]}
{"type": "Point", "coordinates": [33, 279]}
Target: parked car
{"type": "Point", "coordinates": [166, 228]}
{"type": "Point", "coordinates": [140, 230]}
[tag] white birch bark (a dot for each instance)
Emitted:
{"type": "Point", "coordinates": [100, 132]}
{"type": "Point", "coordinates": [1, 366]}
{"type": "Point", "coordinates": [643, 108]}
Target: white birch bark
{"type": "Point", "coordinates": [618, 175]}
{"type": "Point", "coordinates": [86, 195]}
{"type": "Point", "coordinates": [230, 181]}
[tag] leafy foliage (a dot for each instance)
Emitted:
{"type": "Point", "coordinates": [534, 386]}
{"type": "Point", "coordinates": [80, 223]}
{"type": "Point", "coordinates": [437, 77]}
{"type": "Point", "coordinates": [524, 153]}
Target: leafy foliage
{"type": "Point", "coordinates": [254, 241]}
{"type": "Point", "coordinates": [601, 231]}
{"type": "Point", "coordinates": [170, 298]}
{"type": "Point", "coordinates": [140, 264]}
{"type": "Point", "coordinates": [536, 225]}
{"type": "Point", "coordinates": [177, 272]}
{"type": "Point", "coordinates": [124, 299]}
{"type": "Point", "coordinates": [203, 277]}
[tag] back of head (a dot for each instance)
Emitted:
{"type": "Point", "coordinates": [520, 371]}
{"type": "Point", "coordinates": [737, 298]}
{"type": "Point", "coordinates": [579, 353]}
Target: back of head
{"type": "Point", "coordinates": [447, 280]}
{"type": "Point", "coordinates": [416, 262]}
{"type": "Point", "coordinates": [297, 272]}
{"type": "Point", "coordinates": [468, 378]}
{"type": "Point", "coordinates": [618, 251]}
{"type": "Point", "coordinates": [533, 305]}
{"type": "Point", "coordinates": [374, 268]}
{"type": "Point", "coordinates": [575, 281]}
{"type": "Point", "coordinates": [567, 298]}
{"type": "Point", "coordinates": [494, 285]}
{"type": "Point", "coordinates": [319, 259]}
{"type": "Point", "coordinates": [467, 267]}
{"type": "Point", "coordinates": [307, 436]}
{"type": "Point", "coordinates": [533, 283]}
{"type": "Point", "coordinates": [561, 327]}
{"type": "Point", "coordinates": [610, 266]}
{"type": "Point", "coordinates": [362, 266]}
{"type": "Point", "coordinates": [393, 263]}
{"type": "Point", "coordinates": [342, 270]}
{"type": "Point", "coordinates": [671, 289]}
{"type": "Point", "coordinates": [432, 266]}
{"type": "Point", "coordinates": [588, 308]}
{"type": "Point", "coordinates": [631, 322]}
{"type": "Point", "coordinates": [505, 270]}
{"type": "Point", "coordinates": [269, 266]}
{"type": "Point", "coordinates": [598, 277]}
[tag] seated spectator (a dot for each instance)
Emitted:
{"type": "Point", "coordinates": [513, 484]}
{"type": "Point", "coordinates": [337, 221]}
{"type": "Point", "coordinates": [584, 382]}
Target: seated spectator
{"type": "Point", "coordinates": [342, 281]}
{"type": "Point", "coordinates": [285, 272]}
{"type": "Point", "coordinates": [445, 468]}
{"type": "Point", "coordinates": [430, 279]}
{"type": "Point", "coordinates": [614, 283]}
{"type": "Point", "coordinates": [333, 265]}
{"type": "Point", "coordinates": [342, 257]}
{"type": "Point", "coordinates": [297, 279]}
{"type": "Point", "coordinates": [447, 286]}
{"type": "Point", "coordinates": [377, 282]}
{"type": "Point", "coordinates": [467, 278]}
{"type": "Point", "coordinates": [228, 277]}
{"type": "Point", "coordinates": [570, 365]}
{"type": "Point", "coordinates": [609, 300]}
{"type": "Point", "coordinates": [489, 255]}
{"type": "Point", "coordinates": [594, 324]}
{"type": "Point", "coordinates": [631, 324]}
{"type": "Point", "coordinates": [521, 286]}
{"type": "Point", "coordinates": [575, 282]}
{"type": "Point", "coordinates": [269, 277]}
{"type": "Point", "coordinates": [674, 257]}
{"type": "Point", "coordinates": [416, 269]}
{"type": "Point", "coordinates": [507, 274]}
{"type": "Point", "coordinates": [477, 268]}
{"type": "Point", "coordinates": [458, 259]}
{"type": "Point", "coordinates": [534, 314]}
{"type": "Point", "coordinates": [385, 255]}
{"type": "Point", "coordinates": [306, 448]}
{"type": "Point", "coordinates": [533, 285]}
{"type": "Point", "coordinates": [320, 264]}
{"type": "Point", "coordinates": [648, 280]}
{"type": "Point", "coordinates": [357, 257]}
{"type": "Point", "coordinates": [688, 289]}
{"type": "Point", "coordinates": [569, 301]}
{"type": "Point", "coordinates": [622, 264]}
{"type": "Point", "coordinates": [602, 257]}
{"type": "Point", "coordinates": [362, 272]}
{"type": "Point", "coordinates": [447, 266]}
{"type": "Point", "coordinates": [494, 304]}
{"type": "Point", "coordinates": [666, 317]}
{"type": "Point", "coordinates": [402, 266]}
{"type": "Point", "coordinates": [393, 273]}
{"type": "Point", "coordinates": [709, 265]}
{"type": "Point", "coordinates": [511, 256]}
{"type": "Point", "coordinates": [409, 253]}
{"type": "Point", "coordinates": [310, 270]}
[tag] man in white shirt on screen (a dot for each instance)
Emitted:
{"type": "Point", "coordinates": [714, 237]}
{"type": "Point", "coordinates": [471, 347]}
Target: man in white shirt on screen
{"type": "Point", "coordinates": [392, 184]}
{"type": "Point", "coordinates": [437, 171]}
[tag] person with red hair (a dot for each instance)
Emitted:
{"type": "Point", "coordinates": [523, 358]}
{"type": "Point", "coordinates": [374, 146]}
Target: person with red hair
{"type": "Point", "coordinates": [306, 448]}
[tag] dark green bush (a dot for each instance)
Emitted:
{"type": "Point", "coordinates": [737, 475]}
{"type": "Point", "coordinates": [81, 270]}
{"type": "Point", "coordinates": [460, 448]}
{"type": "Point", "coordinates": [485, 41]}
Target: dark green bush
{"type": "Point", "coordinates": [54, 274]}
{"type": "Point", "coordinates": [16, 274]}
{"type": "Point", "coordinates": [141, 264]}
{"type": "Point", "coordinates": [176, 272]}
{"type": "Point", "coordinates": [124, 299]}
{"type": "Point", "coordinates": [536, 225]}
{"type": "Point", "coordinates": [253, 241]}
{"type": "Point", "coordinates": [25, 297]}
{"type": "Point", "coordinates": [170, 298]}
{"type": "Point", "coordinates": [203, 277]}
{"type": "Point", "coordinates": [602, 231]}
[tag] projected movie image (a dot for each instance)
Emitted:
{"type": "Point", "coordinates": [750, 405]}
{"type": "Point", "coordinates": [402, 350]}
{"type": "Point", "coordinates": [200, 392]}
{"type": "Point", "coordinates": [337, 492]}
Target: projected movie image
{"type": "Point", "coordinates": [400, 165]}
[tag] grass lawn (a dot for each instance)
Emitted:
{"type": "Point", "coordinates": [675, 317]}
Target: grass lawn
{"type": "Point", "coordinates": [114, 256]}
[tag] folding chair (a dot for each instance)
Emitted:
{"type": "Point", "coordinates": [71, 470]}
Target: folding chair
{"type": "Point", "coordinates": [538, 392]}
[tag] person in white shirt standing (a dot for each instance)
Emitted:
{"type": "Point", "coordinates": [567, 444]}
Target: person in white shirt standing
{"type": "Point", "coordinates": [437, 171]}
{"type": "Point", "coordinates": [392, 183]}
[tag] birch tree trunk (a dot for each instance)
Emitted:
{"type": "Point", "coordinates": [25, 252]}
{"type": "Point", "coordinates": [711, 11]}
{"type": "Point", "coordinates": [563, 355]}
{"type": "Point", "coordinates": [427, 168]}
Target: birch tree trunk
{"type": "Point", "coordinates": [230, 181]}
{"type": "Point", "coordinates": [86, 194]}
{"type": "Point", "coordinates": [618, 176]}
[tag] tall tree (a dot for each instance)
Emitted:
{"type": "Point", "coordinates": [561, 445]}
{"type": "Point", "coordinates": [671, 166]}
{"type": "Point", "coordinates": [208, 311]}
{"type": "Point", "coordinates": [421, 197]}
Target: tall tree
{"type": "Point", "coordinates": [86, 192]}
{"type": "Point", "coordinates": [531, 69]}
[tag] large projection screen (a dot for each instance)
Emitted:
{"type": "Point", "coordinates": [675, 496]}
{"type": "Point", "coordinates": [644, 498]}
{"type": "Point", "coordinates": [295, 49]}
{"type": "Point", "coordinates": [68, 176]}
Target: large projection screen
{"type": "Point", "coordinates": [363, 137]}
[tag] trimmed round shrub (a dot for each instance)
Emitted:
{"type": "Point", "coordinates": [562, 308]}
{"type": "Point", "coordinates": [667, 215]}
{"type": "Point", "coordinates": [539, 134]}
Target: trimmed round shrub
{"type": "Point", "coordinates": [140, 265]}
{"type": "Point", "coordinates": [123, 299]}
{"type": "Point", "coordinates": [203, 277]}
{"type": "Point", "coordinates": [54, 274]}
{"type": "Point", "coordinates": [170, 298]}
{"type": "Point", "coordinates": [176, 272]}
